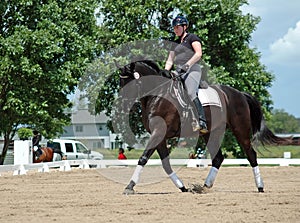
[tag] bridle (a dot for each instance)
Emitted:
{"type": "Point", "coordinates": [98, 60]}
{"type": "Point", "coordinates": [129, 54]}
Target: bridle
{"type": "Point", "coordinates": [135, 74]}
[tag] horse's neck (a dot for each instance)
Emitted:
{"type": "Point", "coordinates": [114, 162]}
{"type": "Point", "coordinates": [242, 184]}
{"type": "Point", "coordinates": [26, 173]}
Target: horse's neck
{"type": "Point", "coordinates": [147, 101]}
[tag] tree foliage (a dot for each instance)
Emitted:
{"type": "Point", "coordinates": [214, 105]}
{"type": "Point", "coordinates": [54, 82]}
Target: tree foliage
{"type": "Point", "coordinates": [44, 49]}
{"type": "Point", "coordinates": [282, 122]}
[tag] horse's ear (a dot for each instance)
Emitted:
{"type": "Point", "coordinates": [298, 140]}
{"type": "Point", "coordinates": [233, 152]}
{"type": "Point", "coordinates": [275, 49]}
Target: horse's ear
{"type": "Point", "coordinates": [132, 66]}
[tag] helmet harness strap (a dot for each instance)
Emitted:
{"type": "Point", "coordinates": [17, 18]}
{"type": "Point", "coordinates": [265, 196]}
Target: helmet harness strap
{"type": "Point", "coordinates": [183, 31]}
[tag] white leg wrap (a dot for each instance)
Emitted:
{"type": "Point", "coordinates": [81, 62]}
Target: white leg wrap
{"type": "Point", "coordinates": [176, 180]}
{"type": "Point", "coordinates": [258, 180]}
{"type": "Point", "coordinates": [136, 175]}
{"type": "Point", "coordinates": [210, 179]}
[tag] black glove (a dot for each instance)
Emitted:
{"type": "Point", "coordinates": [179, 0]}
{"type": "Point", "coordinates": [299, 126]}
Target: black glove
{"type": "Point", "coordinates": [183, 69]}
{"type": "Point", "coordinates": [165, 73]}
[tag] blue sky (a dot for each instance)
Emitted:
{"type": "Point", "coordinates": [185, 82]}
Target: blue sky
{"type": "Point", "coordinates": [277, 38]}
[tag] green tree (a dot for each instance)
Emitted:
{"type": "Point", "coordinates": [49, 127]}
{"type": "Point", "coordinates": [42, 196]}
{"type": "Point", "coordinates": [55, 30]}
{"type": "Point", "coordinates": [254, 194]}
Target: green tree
{"type": "Point", "coordinates": [224, 30]}
{"type": "Point", "coordinates": [282, 122]}
{"type": "Point", "coordinates": [44, 49]}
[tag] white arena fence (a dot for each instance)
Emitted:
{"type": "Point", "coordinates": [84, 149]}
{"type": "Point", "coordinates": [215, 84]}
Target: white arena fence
{"type": "Point", "coordinates": [65, 165]}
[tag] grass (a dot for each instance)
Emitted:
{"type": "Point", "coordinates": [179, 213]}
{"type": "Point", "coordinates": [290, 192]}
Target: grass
{"type": "Point", "coordinates": [178, 153]}
{"type": "Point", "coordinates": [277, 151]}
{"type": "Point", "coordinates": [183, 153]}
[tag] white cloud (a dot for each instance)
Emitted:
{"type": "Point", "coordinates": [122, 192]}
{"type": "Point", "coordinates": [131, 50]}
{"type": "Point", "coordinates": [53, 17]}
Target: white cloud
{"type": "Point", "coordinates": [287, 49]}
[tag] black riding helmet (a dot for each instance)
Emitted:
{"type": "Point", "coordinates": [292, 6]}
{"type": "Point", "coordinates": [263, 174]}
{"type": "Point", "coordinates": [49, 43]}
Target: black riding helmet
{"type": "Point", "coordinates": [180, 21]}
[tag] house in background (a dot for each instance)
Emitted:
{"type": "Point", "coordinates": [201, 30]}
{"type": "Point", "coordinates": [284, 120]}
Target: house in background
{"type": "Point", "coordinates": [90, 130]}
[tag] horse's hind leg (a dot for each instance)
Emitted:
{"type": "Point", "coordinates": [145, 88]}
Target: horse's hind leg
{"type": "Point", "coordinates": [213, 142]}
{"type": "Point", "coordinates": [243, 138]}
{"type": "Point", "coordinates": [216, 164]}
{"type": "Point", "coordinates": [165, 159]}
{"type": "Point", "coordinates": [252, 158]}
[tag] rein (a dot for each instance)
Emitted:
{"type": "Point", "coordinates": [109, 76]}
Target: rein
{"type": "Point", "coordinates": [136, 75]}
{"type": "Point", "coordinates": [145, 64]}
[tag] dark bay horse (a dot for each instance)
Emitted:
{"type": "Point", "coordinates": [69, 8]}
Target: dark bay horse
{"type": "Point", "coordinates": [47, 155]}
{"type": "Point", "coordinates": [164, 117]}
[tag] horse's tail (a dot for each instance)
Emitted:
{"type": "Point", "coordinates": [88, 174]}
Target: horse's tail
{"type": "Point", "coordinates": [56, 150]}
{"type": "Point", "coordinates": [259, 129]}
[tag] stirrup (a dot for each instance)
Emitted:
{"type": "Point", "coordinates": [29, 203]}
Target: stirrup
{"type": "Point", "coordinates": [195, 125]}
{"type": "Point", "coordinates": [203, 127]}
{"type": "Point", "coordinates": [199, 126]}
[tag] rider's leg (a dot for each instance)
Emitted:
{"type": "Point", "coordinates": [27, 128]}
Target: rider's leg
{"type": "Point", "coordinates": [202, 118]}
{"type": "Point", "coordinates": [38, 151]}
{"type": "Point", "coordinates": [192, 82]}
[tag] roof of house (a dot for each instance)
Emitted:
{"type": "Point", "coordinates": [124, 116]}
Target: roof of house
{"type": "Point", "coordinates": [83, 116]}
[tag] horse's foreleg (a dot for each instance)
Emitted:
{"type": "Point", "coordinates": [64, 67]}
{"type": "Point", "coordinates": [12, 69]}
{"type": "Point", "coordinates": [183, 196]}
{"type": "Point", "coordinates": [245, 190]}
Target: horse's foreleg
{"type": "Point", "coordinates": [165, 159]}
{"type": "Point", "coordinates": [178, 183]}
{"type": "Point", "coordinates": [138, 170]}
{"type": "Point", "coordinates": [158, 130]}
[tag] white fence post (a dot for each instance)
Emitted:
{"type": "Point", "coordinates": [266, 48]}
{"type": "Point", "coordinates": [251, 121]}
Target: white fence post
{"type": "Point", "coordinates": [22, 152]}
{"type": "Point", "coordinates": [20, 171]}
{"type": "Point", "coordinates": [84, 165]}
{"type": "Point", "coordinates": [44, 169]}
{"type": "Point", "coordinates": [65, 167]}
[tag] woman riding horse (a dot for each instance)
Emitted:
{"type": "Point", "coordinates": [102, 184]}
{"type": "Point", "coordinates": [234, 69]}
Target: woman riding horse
{"type": "Point", "coordinates": [186, 54]}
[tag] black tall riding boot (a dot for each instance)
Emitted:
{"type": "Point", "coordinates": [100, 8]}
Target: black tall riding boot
{"type": "Point", "coordinates": [38, 153]}
{"type": "Point", "coordinates": [202, 127]}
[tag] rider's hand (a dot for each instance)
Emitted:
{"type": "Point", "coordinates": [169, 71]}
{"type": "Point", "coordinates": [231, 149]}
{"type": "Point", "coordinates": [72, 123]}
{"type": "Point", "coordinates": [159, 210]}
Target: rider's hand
{"type": "Point", "coordinates": [165, 73]}
{"type": "Point", "coordinates": [183, 69]}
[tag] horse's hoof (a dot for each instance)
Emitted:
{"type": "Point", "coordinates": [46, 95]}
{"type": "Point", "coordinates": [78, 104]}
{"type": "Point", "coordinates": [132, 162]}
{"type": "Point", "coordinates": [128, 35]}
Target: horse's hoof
{"type": "Point", "coordinates": [260, 189]}
{"type": "Point", "coordinates": [207, 187]}
{"type": "Point", "coordinates": [184, 189]}
{"type": "Point", "coordinates": [128, 191]}
{"type": "Point", "coordinates": [197, 189]}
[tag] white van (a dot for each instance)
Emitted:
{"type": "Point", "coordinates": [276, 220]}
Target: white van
{"type": "Point", "coordinates": [73, 150]}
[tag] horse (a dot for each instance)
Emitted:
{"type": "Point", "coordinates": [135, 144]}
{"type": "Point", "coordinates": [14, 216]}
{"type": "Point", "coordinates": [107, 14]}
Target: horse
{"type": "Point", "coordinates": [47, 155]}
{"type": "Point", "coordinates": [164, 117]}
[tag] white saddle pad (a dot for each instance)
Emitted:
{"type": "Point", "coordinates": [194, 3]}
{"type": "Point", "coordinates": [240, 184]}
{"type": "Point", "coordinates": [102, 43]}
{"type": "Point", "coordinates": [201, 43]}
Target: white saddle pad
{"type": "Point", "coordinates": [209, 96]}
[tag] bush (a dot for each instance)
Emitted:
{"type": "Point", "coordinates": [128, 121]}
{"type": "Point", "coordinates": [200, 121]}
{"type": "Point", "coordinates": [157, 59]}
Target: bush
{"type": "Point", "coordinates": [24, 133]}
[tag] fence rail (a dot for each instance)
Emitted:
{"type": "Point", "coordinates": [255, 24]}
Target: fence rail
{"type": "Point", "coordinates": [66, 165]}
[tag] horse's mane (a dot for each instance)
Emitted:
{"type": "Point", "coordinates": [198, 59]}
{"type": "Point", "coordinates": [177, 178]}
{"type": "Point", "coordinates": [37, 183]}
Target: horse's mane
{"type": "Point", "coordinates": [151, 63]}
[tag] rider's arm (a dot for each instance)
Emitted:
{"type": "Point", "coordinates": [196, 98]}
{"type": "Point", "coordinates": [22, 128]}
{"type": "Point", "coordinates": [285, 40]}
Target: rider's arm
{"type": "Point", "coordinates": [170, 60]}
{"type": "Point", "coordinates": [198, 53]}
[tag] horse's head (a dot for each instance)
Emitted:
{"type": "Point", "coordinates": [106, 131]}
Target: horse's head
{"type": "Point", "coordinates": [136, 70]}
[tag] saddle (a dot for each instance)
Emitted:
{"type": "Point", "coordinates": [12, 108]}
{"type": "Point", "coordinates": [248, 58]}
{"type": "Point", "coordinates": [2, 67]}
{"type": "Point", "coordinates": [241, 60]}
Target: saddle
{"type": "Point", "coordinates": [207, 95]}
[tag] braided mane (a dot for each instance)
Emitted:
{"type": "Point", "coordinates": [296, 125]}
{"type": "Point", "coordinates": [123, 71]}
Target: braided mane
{"type": "Point", "coordinates": [151, 63]}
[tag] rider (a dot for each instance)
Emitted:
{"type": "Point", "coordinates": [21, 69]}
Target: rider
{"type": "Point", "coordinates": [36, 143]}
{"type": "Point", "coordinates": [186, 55]}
